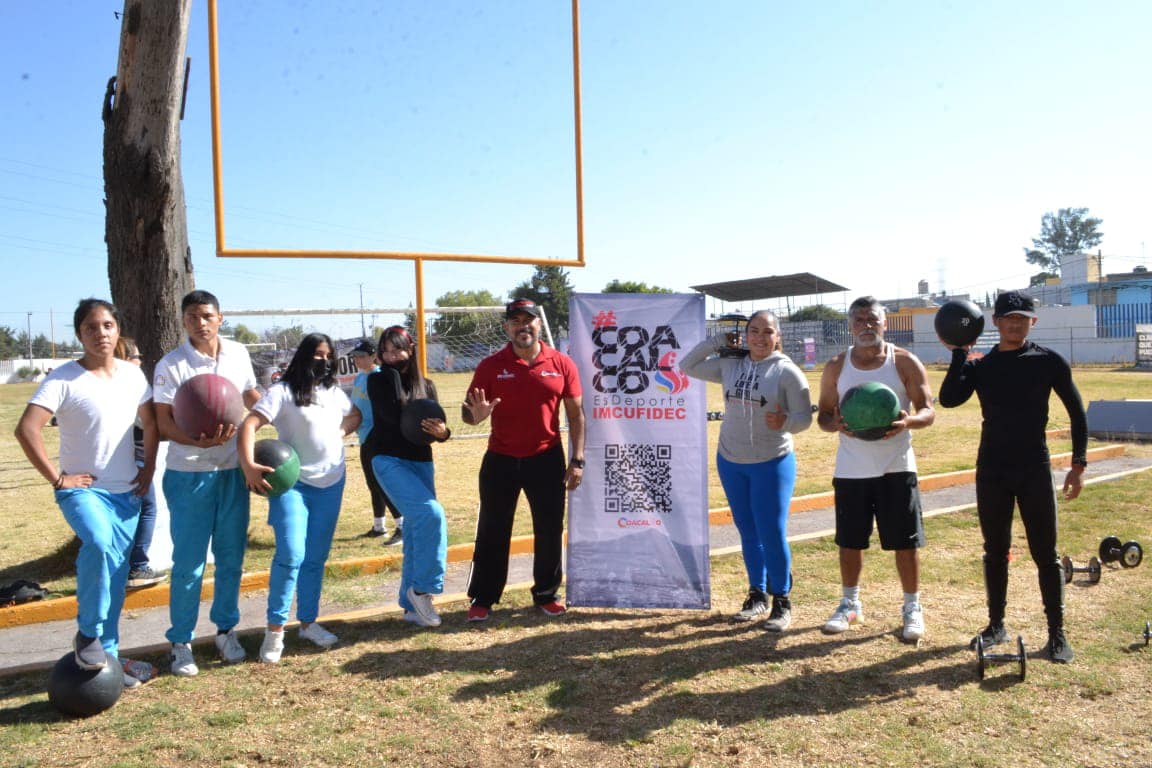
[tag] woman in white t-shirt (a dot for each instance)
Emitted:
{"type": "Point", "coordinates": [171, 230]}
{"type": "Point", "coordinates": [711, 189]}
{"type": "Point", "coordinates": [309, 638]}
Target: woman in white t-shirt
{"type": "Point", "coordinates": [312, 414]}
{"type": "Point", "coordinates": [96, 401]}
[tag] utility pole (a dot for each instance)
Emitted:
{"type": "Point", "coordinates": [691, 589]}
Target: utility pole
{"type": "Point", "coordinates": [1099, 277]}
{"type": "Point", "coordinates": [363, 330]}
{"type": "Point", "coordinates": [30, 364]}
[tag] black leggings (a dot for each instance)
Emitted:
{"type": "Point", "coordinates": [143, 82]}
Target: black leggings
{"type": "Point", "coordinates": [380, 500]}
{"type": "Point", "coordinates": [502, 478]}
{"type": "Point", "coordinates": [998, 489]}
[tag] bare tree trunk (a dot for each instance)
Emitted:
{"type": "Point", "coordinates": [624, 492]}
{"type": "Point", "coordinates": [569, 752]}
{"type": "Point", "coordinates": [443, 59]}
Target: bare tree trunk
{"type": "Point", "coordinates": [146, 228]}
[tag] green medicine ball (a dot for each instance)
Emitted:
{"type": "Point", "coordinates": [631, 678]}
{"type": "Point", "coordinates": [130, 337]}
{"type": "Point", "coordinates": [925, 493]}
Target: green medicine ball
{"type": "Point", "coordinates": [284, 461]}
{"type": "Point", "coordinates": [869, 409]}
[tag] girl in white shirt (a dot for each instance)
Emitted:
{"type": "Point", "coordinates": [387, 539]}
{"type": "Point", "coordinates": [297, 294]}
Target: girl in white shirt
{"type": "Point", "coordinates": [96, 401]}
{"type": "Point", "coordinates": [312, 414]}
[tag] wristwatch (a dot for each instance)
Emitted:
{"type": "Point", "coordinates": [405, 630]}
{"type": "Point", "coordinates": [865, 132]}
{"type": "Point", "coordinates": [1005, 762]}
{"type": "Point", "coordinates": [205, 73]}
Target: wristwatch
{"type": "Point", "coordinates": [1079, 462]}
{"type": "Point", "coordinates": [577, 463]}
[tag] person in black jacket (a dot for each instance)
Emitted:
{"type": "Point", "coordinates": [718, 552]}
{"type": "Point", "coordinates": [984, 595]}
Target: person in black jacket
{"type": "Point", "coordinates": [405, 472]}
{"type": "Point", "coordinates": [1013, 382]}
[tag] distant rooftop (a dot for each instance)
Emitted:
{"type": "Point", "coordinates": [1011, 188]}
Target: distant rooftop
{"type": "Point", "coordinates": [776, 286]}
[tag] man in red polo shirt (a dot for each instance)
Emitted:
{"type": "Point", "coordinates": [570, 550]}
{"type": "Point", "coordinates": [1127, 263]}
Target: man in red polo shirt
{"type": "Point", "coordinates": [521, 387]}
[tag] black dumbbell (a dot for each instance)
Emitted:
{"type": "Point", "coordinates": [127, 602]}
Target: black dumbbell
{"type": "Point", "coordinates": [985, 659]}
{"type": "Point", "coordinates": [715, 415]}
{"type": "Point", "coordinates": [1128, 554]}
{"type": "Point", "coordinates": [1093, 570]}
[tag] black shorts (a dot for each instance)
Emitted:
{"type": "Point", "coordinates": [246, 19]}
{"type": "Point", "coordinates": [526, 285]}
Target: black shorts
{"type": "Point", "coordinates": [893, 500]}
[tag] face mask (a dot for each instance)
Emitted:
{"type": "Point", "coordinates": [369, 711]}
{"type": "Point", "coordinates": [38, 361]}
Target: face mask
{"type": "Point", "coordinates": [321, 368]}
{"type": "Point", "coordinates": [398, 365]}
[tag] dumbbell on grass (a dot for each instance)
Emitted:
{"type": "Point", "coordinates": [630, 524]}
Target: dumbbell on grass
{"type": "Point", "coordinates": [985, 659]}
{"type": "Point", "coordinates": [1128, 554]}
{"type": "Point", "coordinates": [1093, 570]}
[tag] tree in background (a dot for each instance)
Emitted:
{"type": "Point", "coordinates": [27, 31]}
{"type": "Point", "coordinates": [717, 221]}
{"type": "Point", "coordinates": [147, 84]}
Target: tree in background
{"type": "Point", "coordinates": [284, 338]}
{"type": "Point", "coordinates": [631, 286]}
{"type": "Point", "coordinates": [244, 334]}
{"type": "Point", "coordinates": [461, 325]}
{"type": "Point", "coordinates": [548, 287]}
{"type": "Point", "coordinates": [146, 226]}
{"type": "Point", "coordinates": [1063, 234]}
{"type": "Point", "coordinates": [816, 312]}
{"type": "Point", "coordinates": [42, 346]}
{"type": "Point", "coordinates": [9, 344]}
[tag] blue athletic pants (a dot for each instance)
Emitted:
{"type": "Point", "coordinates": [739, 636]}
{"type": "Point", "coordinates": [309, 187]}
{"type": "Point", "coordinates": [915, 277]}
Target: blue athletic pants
{"type": "Point", "coordinates": [411, 485]}
{"type": "Point", "coordinates": [304, 520]}
{"type": "Point", "coordinates": [759, 496]}
{"type": "Point", "coordinates": [205, 506]}
{"type": "Point", "coordinates": [105, 523]}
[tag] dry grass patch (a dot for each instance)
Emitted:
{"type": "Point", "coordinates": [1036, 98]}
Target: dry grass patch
{"type": "Point", "coordinates": [669, 688]}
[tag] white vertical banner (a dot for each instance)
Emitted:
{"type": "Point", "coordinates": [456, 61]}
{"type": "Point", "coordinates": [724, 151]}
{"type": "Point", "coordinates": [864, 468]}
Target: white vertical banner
{"type": "Point", "coordinates": [638, 523]}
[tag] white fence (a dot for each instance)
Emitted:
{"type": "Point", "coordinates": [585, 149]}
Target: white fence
{"type": "Point", "coordinates": [8, 368]}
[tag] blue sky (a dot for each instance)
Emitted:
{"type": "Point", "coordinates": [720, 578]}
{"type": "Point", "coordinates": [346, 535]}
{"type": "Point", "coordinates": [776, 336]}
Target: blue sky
{"type": "Point", "coordinates": [875, 144]}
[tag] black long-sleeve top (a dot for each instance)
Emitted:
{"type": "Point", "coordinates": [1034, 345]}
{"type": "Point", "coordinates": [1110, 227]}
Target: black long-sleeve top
{"type": "Point", "coordinates": [387, 395]}
{"type": "Point", "coordinates": [1014, 388]}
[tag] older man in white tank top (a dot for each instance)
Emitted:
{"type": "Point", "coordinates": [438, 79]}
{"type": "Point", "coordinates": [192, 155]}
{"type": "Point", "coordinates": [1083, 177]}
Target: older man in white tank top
{"type": "Point", "coordinates": [876, 480]}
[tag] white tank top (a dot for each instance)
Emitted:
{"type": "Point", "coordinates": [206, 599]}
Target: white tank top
{"type": "Point", "coordinates": [873, 458]}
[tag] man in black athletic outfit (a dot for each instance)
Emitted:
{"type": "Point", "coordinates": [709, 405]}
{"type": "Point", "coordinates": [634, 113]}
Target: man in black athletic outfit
{"type": "Point", "coordinates": [1013, 383]}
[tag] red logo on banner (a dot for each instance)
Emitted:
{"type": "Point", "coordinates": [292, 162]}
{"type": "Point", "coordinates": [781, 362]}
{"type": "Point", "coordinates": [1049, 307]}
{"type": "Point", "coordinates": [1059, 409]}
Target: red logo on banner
{"type": "Point", "coordinates": [668, 377]}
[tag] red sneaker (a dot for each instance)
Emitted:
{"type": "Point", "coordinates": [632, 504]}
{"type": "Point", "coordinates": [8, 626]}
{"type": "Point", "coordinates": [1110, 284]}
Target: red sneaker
{"type": "Point", "coordinates": [478, 613]}
{"type": "Point", "coordinates": [553, 608]}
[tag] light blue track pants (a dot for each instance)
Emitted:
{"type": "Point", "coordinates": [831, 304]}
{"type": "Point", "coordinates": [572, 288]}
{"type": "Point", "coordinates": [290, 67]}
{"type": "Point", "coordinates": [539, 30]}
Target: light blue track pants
{"type": "Point", "coordinates": [759, 495]}
{"type": "Point", "coordinates": [412, 487]}
{"type": "Point", "coordinates": [105, 523]}
{"type": "Point", "coordinates": [205, 506]}
{"type": "Point", "coordinates": [304, 520]}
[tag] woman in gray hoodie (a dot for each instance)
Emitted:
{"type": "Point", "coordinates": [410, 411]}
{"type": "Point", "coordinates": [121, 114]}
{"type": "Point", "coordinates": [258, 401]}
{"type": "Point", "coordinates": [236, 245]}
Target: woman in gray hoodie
{"type": "Point", "coordinates": [766, 401]}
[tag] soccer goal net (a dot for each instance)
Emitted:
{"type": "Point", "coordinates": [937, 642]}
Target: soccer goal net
{"type": "Point", "coordinates": [457, 339]}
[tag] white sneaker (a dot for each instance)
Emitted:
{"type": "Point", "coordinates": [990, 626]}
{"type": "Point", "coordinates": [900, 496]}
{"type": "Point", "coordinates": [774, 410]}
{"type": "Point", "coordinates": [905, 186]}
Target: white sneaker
{"type": "Point", "coordinates": [423, 608]}
{"type": "Point", "coordinates": [272, 647]}
{"type": "Point", "coordinates": [183, 665]}
{"type": "Point", "coordinates": [229, 646]}
{"type": "Point", "coordinates": [849, 612]}
{"type": "Point", "coordinates": [913, 621]}
{"type": "Point", "coordinates": [318, 635]}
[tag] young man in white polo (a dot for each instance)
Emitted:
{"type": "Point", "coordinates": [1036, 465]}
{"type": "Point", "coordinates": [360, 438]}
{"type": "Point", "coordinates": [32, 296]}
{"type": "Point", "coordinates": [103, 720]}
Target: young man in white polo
{"type": "Point", "coordinates": [204, 486]}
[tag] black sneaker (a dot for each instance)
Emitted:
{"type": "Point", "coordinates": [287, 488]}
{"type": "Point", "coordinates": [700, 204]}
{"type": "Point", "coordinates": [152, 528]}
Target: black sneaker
{"type": "Point", "coordinates": [993, 634]}
{"type": "Point", "coordinates": [781, 616]}
{"type": "Point", "coordinates": [89, 652]}
{"type": "Point", "coordinates": [755, 606]}
{"type": "Point", "coordinates": [144, 577]}
{"type": "Point", "coordinates": [1059, 651]}
{"type": "Point", "coordinates": [397, 537]}
{"type": "Point", "coordinates": [372, 534]}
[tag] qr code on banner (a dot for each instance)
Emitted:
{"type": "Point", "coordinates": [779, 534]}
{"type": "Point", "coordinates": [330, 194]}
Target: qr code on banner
{"type": "Point", "coordinates": [637, 479]}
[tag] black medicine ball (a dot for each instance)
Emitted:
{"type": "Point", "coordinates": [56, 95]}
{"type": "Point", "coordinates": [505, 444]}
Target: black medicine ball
{"type": "Point", "coordinates": [415, 412]}
{"type": "Point", "coordinates": [959, 322]}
